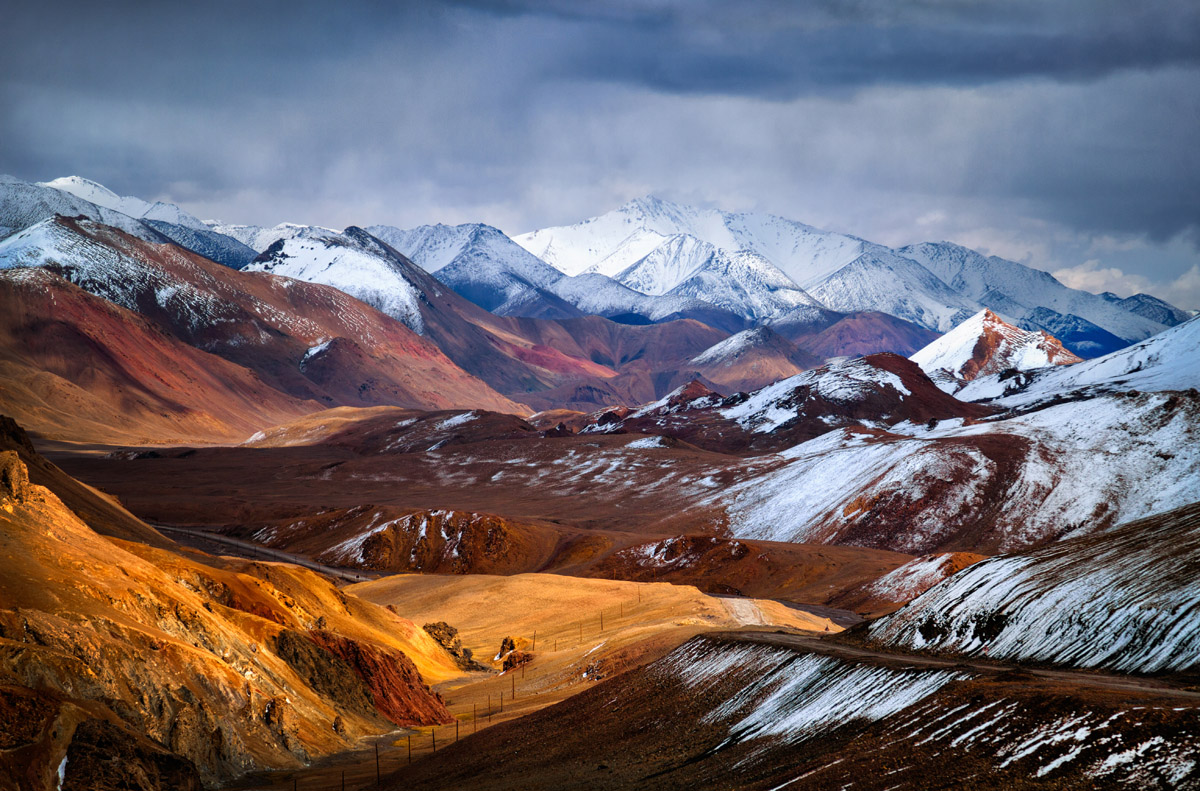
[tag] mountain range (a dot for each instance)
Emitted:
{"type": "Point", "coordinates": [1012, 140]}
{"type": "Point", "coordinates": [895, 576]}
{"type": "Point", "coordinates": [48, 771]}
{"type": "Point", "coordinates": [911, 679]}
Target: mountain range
{"type": "Point", "coordinates": [484, 489]}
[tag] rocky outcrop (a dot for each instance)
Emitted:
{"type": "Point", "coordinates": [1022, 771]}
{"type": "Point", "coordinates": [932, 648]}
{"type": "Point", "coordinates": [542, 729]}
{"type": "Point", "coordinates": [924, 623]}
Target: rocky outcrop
{"type": "Point", "coordinates": [325, 671]}
{"type": "Point", "coordinates": [105, 757]}
{"type": "Point", "coordinates": [517, 658]}
{"type": "Point", "coordinates": [391, 678]}
{"type": "Point", "coordinates": [182, 669]}
{"type": "Point", "coordinates": [14, 479]}
{"type": "Point", "coordinates": [447, 637]}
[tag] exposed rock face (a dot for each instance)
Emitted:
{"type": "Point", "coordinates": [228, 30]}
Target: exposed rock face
{"type": "Point", "coordinates": [14, 479]}
{"type": "Point", "coordinates": [985, 344]}
{"type": "Point", "coordinates": [516, 659]}
{"type": "Point", "coordinates": [447, 637]}
{"type": "Point", "coordinates": [392, 679]}
{"type": "Point", "coordinates": [104, 757]}
{"type": "Point", "coordinates": [324, 671]}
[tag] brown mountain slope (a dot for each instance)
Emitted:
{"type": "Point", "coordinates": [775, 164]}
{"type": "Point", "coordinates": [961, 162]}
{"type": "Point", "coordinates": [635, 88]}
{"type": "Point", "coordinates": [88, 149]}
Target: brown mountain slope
{"type": "Point", "coordinates": [308, 341]}
{"type": "Point", "coordinates": [752, 359]}
{"type": "Point", "coordinates": [454, 324]}
{"type": "Point", "coordinates": [101, 512]}
{"type": "Point", "coordinates": [222, 668]}
{"type": "Point", "coordinates": [866, 332]}
{"type": "Point", "coordinates": [78, 366]}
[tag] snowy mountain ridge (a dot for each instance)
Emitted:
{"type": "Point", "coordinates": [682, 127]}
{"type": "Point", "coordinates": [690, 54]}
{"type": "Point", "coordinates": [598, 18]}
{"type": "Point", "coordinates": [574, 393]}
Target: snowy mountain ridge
{"type": "Point", "coordinates": [134, 207]}
{"type": "Point", "coordinates": [1015, 289]}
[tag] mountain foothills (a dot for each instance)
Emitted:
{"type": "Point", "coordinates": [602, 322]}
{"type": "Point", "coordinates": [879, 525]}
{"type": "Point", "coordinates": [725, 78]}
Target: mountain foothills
{"type": "Point", "coordinates": [673, 497]}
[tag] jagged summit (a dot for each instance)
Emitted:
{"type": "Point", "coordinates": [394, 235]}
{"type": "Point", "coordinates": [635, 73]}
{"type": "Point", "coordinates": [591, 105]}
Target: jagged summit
{"type": "Point", "coordinates": [986, 344]}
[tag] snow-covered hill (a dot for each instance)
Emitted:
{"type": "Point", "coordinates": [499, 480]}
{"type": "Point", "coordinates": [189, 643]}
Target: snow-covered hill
{"type": "Point", "coordinates": [353, 262]}
{"type": "Point", "coordinates": [24, 204]}
{"type": "Point", "coordinates": [615, 241]}
{"type": "Point", "coordinates": [879, 279]}
{"type": "Point", "coordinates": [208, 243]}
{"type": "Point", "coordinates": [1149, 307]}
{"type": "Point", "coordinates": [1124, 599]}
{"type": "Point", "coordinates": [983, 345]}
{"type": "Point", "coordinates": [996, 485]}
{"type": "Point", "coordinates": [259, 239]}
{"type": "Point", "coordinates": [1016, 290]}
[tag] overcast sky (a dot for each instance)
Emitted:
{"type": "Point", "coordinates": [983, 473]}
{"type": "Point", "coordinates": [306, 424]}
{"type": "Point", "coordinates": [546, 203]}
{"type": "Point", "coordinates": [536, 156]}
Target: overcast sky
{"type": "Point", "coordinates": [1063, 135]}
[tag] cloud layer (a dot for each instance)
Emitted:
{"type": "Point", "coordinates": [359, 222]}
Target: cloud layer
{"type": "Point", "coordinates": [1054, 133]}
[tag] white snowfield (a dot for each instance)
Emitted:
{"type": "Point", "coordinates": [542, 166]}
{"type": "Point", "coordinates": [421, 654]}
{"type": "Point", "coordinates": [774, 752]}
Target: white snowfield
{"type": "Point", "coordinates": [946, 359]}
{"type": "Point", "coordinates": [882, 280]}
{"type": "Point", "coordinates": [1167, 361]}
{"type": "Point", "coordinates": [1079, 466]}
{"type": "Point", "coordinates": [1127, 600]}
{"type": "Point", "coordinates": [613, 242]}
{"type": "Point", "coordinates": [762, 267]}
{"type": "Point", "coordinates": [351, 265]}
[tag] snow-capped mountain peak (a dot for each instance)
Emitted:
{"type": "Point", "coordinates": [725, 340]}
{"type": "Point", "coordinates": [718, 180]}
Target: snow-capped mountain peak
{"type": "Point", "coordinates": [134, 207]}
{"type": "Point", "coordinates": [986, 344]}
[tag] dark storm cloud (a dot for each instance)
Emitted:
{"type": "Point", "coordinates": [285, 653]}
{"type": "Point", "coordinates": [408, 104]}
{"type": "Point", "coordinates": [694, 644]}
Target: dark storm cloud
{"type": "Point", "coordinates": [1019, 118]}
{"type": "Point", "coordinates": [783, 49]}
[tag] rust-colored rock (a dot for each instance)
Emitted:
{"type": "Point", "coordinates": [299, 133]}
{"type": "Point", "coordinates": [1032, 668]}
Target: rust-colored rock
{"type": "Point", "coordinates": [394, 683]}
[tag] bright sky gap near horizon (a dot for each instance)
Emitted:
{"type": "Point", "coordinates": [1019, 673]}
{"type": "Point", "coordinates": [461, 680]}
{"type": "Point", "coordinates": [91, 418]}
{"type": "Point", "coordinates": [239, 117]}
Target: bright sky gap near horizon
{"type": "Point", "coordinates": [1061, 134]}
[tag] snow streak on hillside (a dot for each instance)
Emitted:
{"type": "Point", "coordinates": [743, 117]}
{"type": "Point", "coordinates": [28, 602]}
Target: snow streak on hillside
{"type": "Point", "coordinates": [1065, 469]}
{"type": "Point", "coordinates": [1125, 599]}
{"type": "Point", "coordinates": [769, 700]}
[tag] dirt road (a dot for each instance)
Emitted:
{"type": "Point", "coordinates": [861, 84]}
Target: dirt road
{"type": "Point", "coordinates": [843, 650]}
{"type": "Point", "coordinates": [215, 542]}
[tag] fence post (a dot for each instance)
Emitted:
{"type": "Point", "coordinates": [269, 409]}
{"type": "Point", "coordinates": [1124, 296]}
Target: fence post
{"type": "Point", "coordinates": [410, 748]}
{"type": "Point", "coordinates": [377, 762]}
